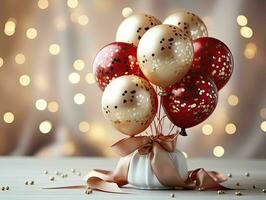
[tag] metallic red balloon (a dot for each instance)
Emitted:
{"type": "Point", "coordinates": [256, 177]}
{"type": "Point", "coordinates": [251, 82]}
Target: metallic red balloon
{"type": "Point", "coordinates": [114, 60]}
{"type": "Point", "coordinates": [191, 101]}
{"type": "Point", "coordinates": [213, 58]}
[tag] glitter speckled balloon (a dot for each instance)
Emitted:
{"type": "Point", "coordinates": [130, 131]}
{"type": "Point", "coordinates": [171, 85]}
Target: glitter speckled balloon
{"type": "Point", "coordinates": [133, 27]}
{"type": "Point", "coordinates": [191, 101]}
{"type": "Point", "coordinates": [188, 22]}
{"type": "Point", "coordinates": [130, 104]}
{"type": "Point", "coordinates": [114, 60]}
{"type": "Point", "coordinates": [213, 58]}
{"type": "Point", "coordinates": [165, 54]}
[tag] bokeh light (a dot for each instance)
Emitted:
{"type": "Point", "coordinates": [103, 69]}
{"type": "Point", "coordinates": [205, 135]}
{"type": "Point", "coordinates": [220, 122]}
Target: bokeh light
{"type": "Point", "coordinates": [43, 4]}
{"type": "Point", "coordinates": [97, 133]}
{"type": "Point", "coordinates": [53, 106]}
{"type": "Point", "coordinates": [230, 128]}
{"type": "Point", "coordinates": [72, 3]}
{"type": "Point", "coordinates": [54, 49]}
{"type": "Point", "coordinates": [232, 100]}
{"type": "Point", "coordinates": [8, 117]}
{"type": "Point", "coordinates": [41, 104]}
{"type": "Point", "coordinates": [242, 20]}
{"type": "Point", "coordinates": [207, 129]}
{"type": "Point", "coordinates": [84, 126]}
{"type": "Point", "coordinates": [74, 78]}
{"type": "Point", "coordinates": [31, 33]}
{"type": "Point", "coordinates": [20, 58]}
{"type": "Point", "coordinates": [263, 126]}
{"type": "Point", "coordinates": [83, 20]}
{"type": "Point", "coordinates": [127, 12]}
{"type": "Point", "coordinates": [79, 98]}
{"type": "Point", "coordinates": [45, 127]}
{"type": "Point", "coordinates": [24, 80]}
{"type": "Point", "coordinates": [250, 50]}
{"type": "Point", "coordinates": [10, 27]}
{"type": "Point", "coordinates": [90, 78]}
{"type": "Point", "coordinates": [218, 151]}
{"type": "Point", "coordinates": [79, 64]}
{"type": "Point", "coordinates": [246, 32]}
{"type": "Point", "coordinates": [1, 62]}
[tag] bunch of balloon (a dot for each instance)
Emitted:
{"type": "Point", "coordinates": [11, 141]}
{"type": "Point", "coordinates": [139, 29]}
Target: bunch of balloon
{"type": "Point", "coordinates": [156, 67]}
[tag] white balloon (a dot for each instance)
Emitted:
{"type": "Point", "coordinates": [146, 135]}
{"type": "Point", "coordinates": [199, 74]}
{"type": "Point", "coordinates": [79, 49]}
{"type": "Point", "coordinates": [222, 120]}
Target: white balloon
{"type": "Point", "coordinates": [130, 104]}
{"type": "Point", "coordinates": [189, 23]}
{"type": "Point", "coordinates": [165, 54]}
{"type": "Point", "coordinates": [133, 27]}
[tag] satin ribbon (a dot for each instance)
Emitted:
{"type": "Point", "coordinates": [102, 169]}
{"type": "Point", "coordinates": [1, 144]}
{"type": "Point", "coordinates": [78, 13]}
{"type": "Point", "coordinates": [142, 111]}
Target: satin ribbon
{"type": "Point", "coordinates": [158, 148]}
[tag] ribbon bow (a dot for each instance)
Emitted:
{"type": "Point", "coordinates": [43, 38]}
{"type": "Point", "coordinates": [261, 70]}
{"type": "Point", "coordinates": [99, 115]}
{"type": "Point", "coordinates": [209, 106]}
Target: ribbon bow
{"type": "Point", "coordinates": [158, 147]}
{"type": "Point", "coordinates": [145, 144]}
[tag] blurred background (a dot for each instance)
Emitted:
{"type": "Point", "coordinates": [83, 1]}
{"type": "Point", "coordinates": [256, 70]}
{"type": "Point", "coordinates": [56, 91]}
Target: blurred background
{"type": "Point", "coordinates": [51, 106]}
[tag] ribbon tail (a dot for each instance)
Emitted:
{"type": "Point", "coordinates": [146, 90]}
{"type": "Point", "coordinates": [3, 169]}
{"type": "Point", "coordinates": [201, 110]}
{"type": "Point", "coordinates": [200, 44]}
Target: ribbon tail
{"type": "Point", "coordinates": [102, 185]}
{"type": "Point", "coordinates": [108, 181]}
{"type": "Point", "coordinates": [206, 180]}
{"type": "Point", "coordinates": [66, 187]}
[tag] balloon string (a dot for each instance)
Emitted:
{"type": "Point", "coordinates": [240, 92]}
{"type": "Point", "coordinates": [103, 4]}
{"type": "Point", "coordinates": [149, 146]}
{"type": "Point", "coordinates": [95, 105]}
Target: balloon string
{"type": "Point", "coordinates": [171, 130]}
{"type": "Point", "coordinates": [159, 125]}
{"type": "Point", "coordinates": [156, 127]}
{"type": "Point", "coordinates": [151, 129]}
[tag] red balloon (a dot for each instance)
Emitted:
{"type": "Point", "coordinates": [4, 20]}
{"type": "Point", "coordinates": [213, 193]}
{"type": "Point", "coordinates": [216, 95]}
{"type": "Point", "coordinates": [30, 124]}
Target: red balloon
{"type": "Point", "coordinates": [213, 58]}
{"type": "Point", "coordinates": [191, 101]}
{"type": "Point", "coordinates": [114, 60]}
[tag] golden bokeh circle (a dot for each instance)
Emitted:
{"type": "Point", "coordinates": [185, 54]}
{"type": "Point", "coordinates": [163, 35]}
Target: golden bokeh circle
{"type": "Point", "coordinates": [218, 151]}
{"type": "Point", "coordinates": [24, 80]}
{"type": "Point", "coordinates": [54, 49]}
{"type": "Point", "coordinates": [53, 106]}
{"type": "Point", "coordinates": [45, 127]}
{"type": "Point", "coordinates": [207, 129]}
{"type": "Point", "coordinates": [8, 117]}
{"type": "Point", "coordinates": [230, 128]}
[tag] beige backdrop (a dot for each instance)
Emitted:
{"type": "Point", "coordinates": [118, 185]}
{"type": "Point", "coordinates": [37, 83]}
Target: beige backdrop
{"type": "Point", "coordinates": [80, 32]}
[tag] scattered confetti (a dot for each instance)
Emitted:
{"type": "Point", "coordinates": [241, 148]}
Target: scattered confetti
{"type": "Point", "coordinates": [238, 193]}
{"type": "Point", "coordinates": [220, 192]}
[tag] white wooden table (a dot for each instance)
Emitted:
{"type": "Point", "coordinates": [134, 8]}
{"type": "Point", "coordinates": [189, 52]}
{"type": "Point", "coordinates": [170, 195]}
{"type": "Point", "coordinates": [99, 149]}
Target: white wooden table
{"type": "Point", "coordinates": [14, 171]}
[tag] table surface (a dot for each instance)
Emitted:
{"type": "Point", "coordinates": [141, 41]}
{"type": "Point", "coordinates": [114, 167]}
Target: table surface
{"type": "Point", "coordinates": [14, 171]}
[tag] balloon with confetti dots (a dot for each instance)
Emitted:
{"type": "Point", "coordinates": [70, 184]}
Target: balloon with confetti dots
{"type": "Point", "coordinates": [114, 60]}
{"type": "Point", "coordinates": [165, 54]}
{"type": "Point", "coordinates": [213, 58]}
{"type": "Point", "coordinates": [130, 104]}
{"type": "Point", "coordinates": [191, 101]}
{"type": "Point", "coordinates": [133, 28]}
{"type": "Point", "coordinates": [189, 23]}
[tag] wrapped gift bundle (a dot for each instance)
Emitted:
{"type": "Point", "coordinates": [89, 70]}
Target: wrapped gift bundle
{"type": "Point", "coordinates": [157, 71]}
{"type": "Point", "coordinates": [141, 175]}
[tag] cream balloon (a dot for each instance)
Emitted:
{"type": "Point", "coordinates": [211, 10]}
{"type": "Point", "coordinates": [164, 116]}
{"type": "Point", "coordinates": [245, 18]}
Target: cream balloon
{"type": "Point", "coordinates": [130, 104]}
{"type": "Point", "coordinates": [133, 27]}
{"type": "Point", "coordinates": [165, 54]}
{"type": "Point", "coordinates": [188, 22]}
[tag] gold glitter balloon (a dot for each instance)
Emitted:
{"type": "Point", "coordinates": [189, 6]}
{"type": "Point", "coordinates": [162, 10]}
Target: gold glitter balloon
{"type": "Point", "coordinates": [130, 104]}
{"type": "Point", "coordinates": [165, 54]}
{"type": "Point", "coordinates": [133, 28]}
{"type": "Point", "coordinates": [188, 22]}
